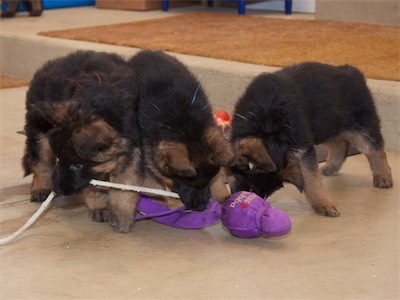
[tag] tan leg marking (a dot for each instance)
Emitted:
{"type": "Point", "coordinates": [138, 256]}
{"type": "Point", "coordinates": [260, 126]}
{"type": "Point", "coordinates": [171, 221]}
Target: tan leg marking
{"type": "Point", "coordinates": [122, 204]}
{"type": "Point", "coordinates": [337, 151]}
{"type": "Point", "coordinates": [36, 8]}
{"type": "Point", "coordinates": [42, 171]}
{"type": "Point", "coordinates": [316, 193]}
{"type": "Point", "coordinates": [96, 200]}
{"type": "Point", "coordinates": [381, 172]}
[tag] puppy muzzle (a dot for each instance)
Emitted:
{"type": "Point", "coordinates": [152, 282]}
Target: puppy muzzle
{"type": "Point", "coordinates": [70, 179]}
{"type": "Point", "coordinates": [192, 197]}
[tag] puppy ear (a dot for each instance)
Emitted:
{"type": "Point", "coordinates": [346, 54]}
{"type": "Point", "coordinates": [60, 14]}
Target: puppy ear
{"type": "Point", "coordinates": [292, 174]}
{"type": "Point", "coordinates": [252, 153]}
{"type": "Point", "coordinates": [221, 149]}
{"type": "Point", "coordinates": [173, 159]}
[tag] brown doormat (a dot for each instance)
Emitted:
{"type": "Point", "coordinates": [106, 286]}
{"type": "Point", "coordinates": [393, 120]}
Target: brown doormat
{"type": "Point", "coordinates": [11, 82]}
{"type": "Point", "coordinates": [375, 49]}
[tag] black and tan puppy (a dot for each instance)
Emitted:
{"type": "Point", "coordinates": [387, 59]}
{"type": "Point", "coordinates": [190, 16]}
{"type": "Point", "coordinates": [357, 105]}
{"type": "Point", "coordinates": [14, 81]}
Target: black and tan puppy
{"type": "Point", "coordinates": [181, 145]}
{"type": "Point", "coordinates": [282, 115]}
{"type": "Point", "coordinates": [81, 124]}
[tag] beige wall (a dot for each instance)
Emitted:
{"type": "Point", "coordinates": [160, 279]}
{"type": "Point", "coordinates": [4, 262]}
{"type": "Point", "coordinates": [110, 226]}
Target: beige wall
{"type": "Point", "coordinates": [369, 11]}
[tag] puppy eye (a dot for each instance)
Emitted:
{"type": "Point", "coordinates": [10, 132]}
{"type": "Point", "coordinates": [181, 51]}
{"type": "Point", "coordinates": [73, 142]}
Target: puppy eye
{"type": "Point", "coordinates": [248, 164]}
{"type": "Point", "coordinates": [102, 149]}
{"type": "Point", "coordinates": [76, 167]}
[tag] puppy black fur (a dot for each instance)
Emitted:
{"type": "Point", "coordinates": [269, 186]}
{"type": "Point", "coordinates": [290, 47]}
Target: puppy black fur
{"type": "Point", "coordinates": [181, 145]}
{"type": "Point", "coordinates": [81, 123]}
{"type": "Point", "coordinates": [282, 115]}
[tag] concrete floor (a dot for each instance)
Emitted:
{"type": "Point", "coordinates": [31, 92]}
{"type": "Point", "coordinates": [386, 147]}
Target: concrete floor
{"type": "Point", "coordinates": [66, 256]}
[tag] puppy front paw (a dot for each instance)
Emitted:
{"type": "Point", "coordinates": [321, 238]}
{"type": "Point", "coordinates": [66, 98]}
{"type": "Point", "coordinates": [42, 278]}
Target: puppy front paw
{"type": "Point", "coordinates": [8, 14]}
{"type": "Point", "coordinates": [35, 13]}
{"type": "Point", "coordinates": [329, 170]}
{"type": "Point", "coordinates": [40, 195]}
{"type": "Point", "coordinates": [99, 215]}
{"type": "Point", "coordinates": [383, 182]}
{"type": "Point", "coordinates": [122, 224]}
{"type": "Point", "coordinates": [327, 210]}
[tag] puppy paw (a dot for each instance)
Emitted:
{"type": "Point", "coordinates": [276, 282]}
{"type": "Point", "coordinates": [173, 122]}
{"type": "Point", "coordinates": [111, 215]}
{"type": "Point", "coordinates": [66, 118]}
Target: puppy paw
{"type": "Point", "coordinates": [35, 13]}
{"type": "Point", "coordinates": [99, 215]}
{"type": "Point", "coordinates": [122, 225]}
{"type": "Point", "coordinates": [327, 210]}
{"type": "Point", "coordinates": [40, 195]}
{"type": "Point", "coordinates": [383, 182]}
{"type": "Point", "coordinates": [8, 14]}
{"type": "Point", "coordinates": [328, 170]}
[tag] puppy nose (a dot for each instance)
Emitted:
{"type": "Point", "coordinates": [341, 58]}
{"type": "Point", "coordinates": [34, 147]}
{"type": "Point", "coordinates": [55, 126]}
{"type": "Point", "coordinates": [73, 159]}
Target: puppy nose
{"type": "Point", "coordinates": [75, 167]}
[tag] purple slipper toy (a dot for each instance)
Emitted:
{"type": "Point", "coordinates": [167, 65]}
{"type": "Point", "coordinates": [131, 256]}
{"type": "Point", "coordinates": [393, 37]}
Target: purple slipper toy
{"type": "Point", "coordinates": [244, 214]}
{"type": "Point", "coordinates": [247, 215]}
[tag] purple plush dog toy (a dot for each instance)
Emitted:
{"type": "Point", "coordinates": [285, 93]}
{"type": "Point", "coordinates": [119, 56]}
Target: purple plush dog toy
{"type": "Point", "coordinates": [244, 214]}
{"type": "Point", "coordinates": [247, 215]}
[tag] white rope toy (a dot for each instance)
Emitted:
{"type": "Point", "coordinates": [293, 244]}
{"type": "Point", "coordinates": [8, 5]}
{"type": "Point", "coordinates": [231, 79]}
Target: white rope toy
{"type": "Point", "coordinates": [94, 182]}
{"type": "Point", "coordinates": [128, 187]}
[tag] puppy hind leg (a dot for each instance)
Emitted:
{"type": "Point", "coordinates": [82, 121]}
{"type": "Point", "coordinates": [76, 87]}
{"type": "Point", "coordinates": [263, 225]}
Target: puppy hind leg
{"type": "Point", "coordinates": [337, 152]}
{"type": "Point", "coordinates": [381, 172]}
{"type": "Point", "coordinates": [314, 188]}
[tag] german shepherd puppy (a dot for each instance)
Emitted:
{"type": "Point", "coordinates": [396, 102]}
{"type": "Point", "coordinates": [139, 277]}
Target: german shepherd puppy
{"type": "Point", "coordinates": [81, 124]}
{"type": "Point", "coordinates": [181, 145]}
{"type": "Point", "coordinates": [282, 115]}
